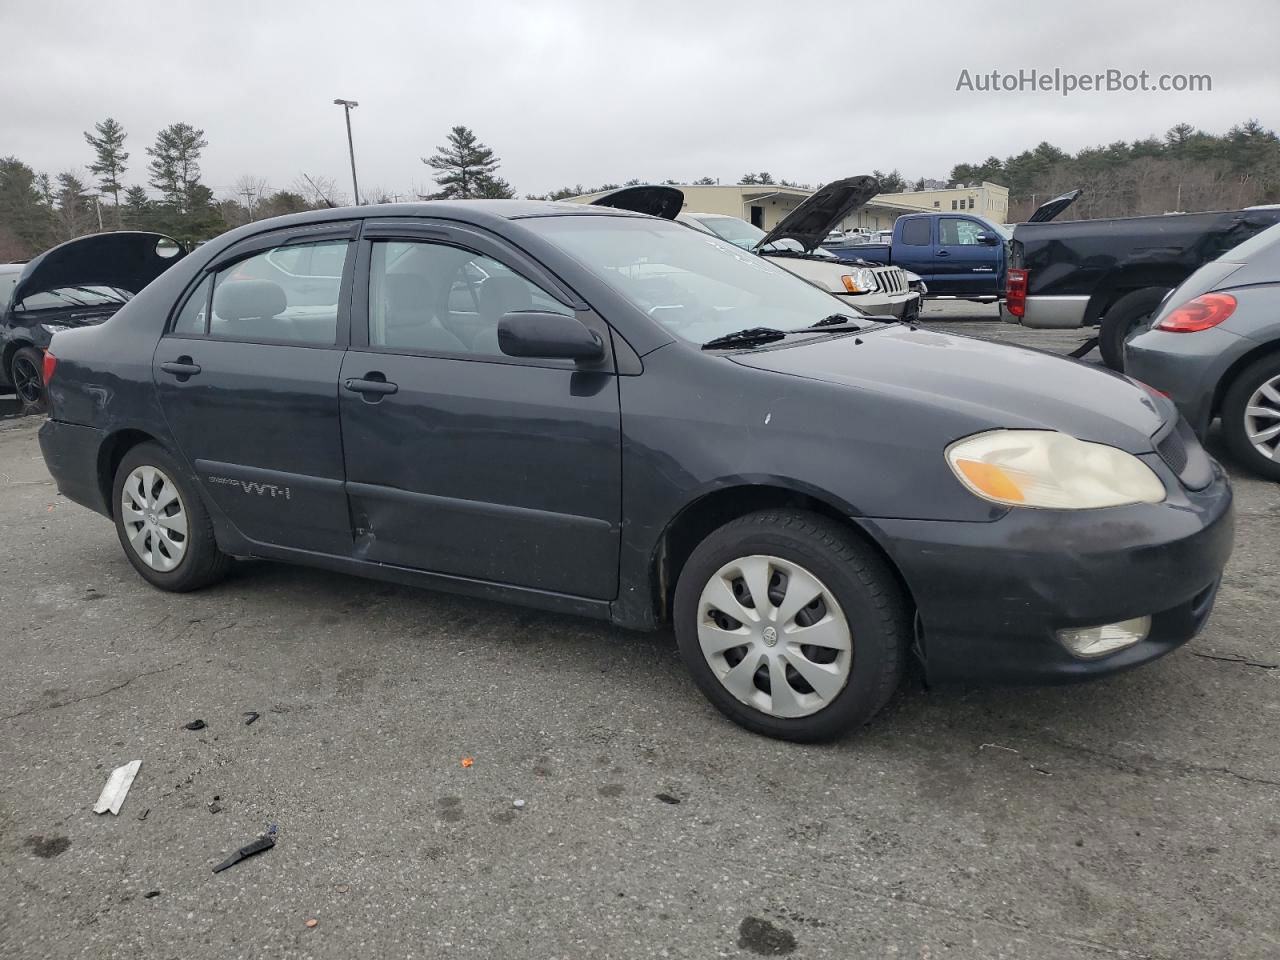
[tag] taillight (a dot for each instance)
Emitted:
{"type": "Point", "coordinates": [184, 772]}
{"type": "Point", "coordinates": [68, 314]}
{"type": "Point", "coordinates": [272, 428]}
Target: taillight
{"type": "Point", "coordinates": [1015, 292]}
{"type": "Point", "coordinates": [50, 364]}
{"type": "Point", "coordinates": [1205, 311]}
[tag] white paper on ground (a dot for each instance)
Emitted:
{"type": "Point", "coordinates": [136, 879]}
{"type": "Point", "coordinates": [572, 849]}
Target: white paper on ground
{"type": "Point", "coordinates": [117, 788]}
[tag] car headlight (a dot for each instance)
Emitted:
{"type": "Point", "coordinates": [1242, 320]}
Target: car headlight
{"type": "Point", "coordinates": [1044, 468]}
{"type": "Point", "coordinates": [53, 327]}
{"type": "Point", "coordinates": [861, 280]}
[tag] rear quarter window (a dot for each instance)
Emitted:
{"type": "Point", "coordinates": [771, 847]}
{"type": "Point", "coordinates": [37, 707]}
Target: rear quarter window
{"type": "Point", "coordinates": [916, 232]}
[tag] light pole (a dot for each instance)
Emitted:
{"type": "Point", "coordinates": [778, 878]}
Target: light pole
{"type": "Point", "coordinates": [346, 109]}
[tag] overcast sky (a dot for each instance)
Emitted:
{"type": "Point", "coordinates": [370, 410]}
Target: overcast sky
{"type": "Point", "coordinates": [587, 92]}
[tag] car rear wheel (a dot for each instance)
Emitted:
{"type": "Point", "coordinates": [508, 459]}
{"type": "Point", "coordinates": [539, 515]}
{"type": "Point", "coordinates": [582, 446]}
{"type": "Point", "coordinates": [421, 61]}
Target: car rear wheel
{"type": "Point", "coordinates": [1123, 319]}
{"type": "Point", "coordinates": [162, 524]}
{"type": "Point", "coordinates": [26, 373]}
{"type": "Point", "coordinates": [791, 626]}
{"type": "Point", "coordinates": [1251, 417]}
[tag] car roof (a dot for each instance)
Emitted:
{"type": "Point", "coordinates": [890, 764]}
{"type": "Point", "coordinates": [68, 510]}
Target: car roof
{"type": "Point", "coordinates": [478, 211]}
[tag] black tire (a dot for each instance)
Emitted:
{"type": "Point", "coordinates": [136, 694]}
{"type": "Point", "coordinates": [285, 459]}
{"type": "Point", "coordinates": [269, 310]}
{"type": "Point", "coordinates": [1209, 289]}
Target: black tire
{"type": "Point", "coordinates": [202, 563]}
{"type": "Point", "coordinates": [869, 595]}
{"type": "Point", "coordinates": [1122, 318]}
{"type": "Point", "coordinates": [26, 373]}
{"type": "Point", "coordinates": [1234, 402]}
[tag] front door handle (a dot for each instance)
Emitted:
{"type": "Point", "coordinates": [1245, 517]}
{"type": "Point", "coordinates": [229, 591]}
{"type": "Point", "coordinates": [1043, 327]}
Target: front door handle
{"type": "Point", "coordinates": [378, 388]}
{"type": "Point", "coordinates": [943, 253]}
{"type": "Point", "coordinates": [181, 368]}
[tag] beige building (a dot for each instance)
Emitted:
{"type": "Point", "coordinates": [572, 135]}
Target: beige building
{"type": "Point", "coordinates": [988, 200]}
{"type": "Point", "coordinates": [766, 205]}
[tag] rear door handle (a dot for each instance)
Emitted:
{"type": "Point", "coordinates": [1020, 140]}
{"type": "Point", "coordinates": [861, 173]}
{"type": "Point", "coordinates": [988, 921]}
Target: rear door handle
{"type": "Point", "coordinates": [378, 388]}
{"type": "Point", "coordinates": [182, 367]}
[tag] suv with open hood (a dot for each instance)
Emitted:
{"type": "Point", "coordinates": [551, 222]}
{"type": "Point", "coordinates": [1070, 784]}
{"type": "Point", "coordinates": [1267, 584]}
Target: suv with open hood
{"type": "Point", "coordinates": [79, 283]}
{"type": "Point", "coordinates": [795, 244]}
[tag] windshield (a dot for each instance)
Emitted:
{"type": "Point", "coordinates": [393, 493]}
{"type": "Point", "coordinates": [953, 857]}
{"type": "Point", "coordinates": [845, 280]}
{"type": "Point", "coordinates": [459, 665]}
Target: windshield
{"type": "Point", "coordinates": [7, 282]}
{"type": "Point", "coordinates": [747, 236]}
{"type": "Point", "coordinates": [92, 296]}
{"type": "Point", "coordinates": [696, 286]}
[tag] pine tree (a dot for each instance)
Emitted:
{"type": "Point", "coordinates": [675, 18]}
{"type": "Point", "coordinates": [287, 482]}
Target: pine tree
{"type": "Point", "coordinates": [467, 168]}
{"type": "Point", "coordinates": [137, 208]}
{"type": "Point", "coordinates": [175, 164]}
{"type": "Point", "coordinates": [22, 207]}
{"type": "Point", "coordinates": [74, 216]}
{"type": "Point", "coordinates": [110, 165]}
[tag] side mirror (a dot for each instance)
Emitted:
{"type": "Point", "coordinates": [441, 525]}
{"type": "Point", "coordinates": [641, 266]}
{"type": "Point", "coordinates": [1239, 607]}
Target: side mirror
{"type": "Point", "coordinates": [990, 239]}
{"type": "Point", "coordinates": [549, 335]}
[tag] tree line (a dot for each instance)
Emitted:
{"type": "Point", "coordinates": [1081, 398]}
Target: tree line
{"type": "Point", "coordinates": [1185, 170]}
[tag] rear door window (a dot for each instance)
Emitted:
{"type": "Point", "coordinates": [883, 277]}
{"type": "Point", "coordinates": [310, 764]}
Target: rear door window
{"type": "Point", "coordinates": [285, 295]}
{"type": "Point", "coordinates": [916, 233]}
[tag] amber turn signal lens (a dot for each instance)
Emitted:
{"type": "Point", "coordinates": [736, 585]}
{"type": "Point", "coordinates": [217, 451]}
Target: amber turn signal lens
{"type": "Point", "coordinates": [990, 479]}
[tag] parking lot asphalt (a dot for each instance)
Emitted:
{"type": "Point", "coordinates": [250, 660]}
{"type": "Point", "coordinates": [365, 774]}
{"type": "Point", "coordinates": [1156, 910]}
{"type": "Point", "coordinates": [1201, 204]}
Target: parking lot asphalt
{"type": "Point", "coordinates": [608, 810]}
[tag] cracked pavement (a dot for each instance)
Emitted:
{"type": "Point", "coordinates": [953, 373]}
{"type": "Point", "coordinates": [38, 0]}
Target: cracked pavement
{"type": "Point", "coordinates": [1134, 817]}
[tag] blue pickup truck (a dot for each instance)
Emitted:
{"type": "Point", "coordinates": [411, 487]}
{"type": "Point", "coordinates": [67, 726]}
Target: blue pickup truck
{"type": "Point", "coordinates": [957, 255]}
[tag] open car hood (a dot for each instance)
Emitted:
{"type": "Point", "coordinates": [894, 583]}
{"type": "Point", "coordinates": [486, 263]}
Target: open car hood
{"type": "Point", "coordinates": [809, 223]}
{"type": "Point", "coordinates": [126, 259]}
{"type": "Point", "coordinates": [1051, 208]}
{"type": "Point", "coordinates": [657, 200]}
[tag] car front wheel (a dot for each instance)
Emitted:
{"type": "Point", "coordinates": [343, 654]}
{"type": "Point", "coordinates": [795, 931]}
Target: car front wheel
{"type": "Point", "coordinates": [791, 625]}
{"type": "Point", "coordinates": [1251, 417]}
{"type": "Point", "coordinates": [162, 523]}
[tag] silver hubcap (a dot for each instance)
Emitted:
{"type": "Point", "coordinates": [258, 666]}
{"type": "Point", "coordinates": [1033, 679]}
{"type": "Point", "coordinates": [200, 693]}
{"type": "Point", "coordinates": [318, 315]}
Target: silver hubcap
{"type": "Point", "coordinates": [1262, 419]}
{"type": "Point", "coordinates": [155, 520]}
{"type": "Point", "coordinates": [775, 636]}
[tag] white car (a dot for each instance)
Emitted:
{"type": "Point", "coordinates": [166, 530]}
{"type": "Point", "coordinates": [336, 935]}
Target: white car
{"type": "Point", "coordinates": [795, 243]}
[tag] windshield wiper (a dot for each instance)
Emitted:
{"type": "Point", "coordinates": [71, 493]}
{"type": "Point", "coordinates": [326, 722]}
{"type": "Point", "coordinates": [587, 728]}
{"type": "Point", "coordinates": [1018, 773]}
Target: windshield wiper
{"type": "Point", "coordinates": [749, 337]}
{"type": "Point", "coordinates": [833, 320]}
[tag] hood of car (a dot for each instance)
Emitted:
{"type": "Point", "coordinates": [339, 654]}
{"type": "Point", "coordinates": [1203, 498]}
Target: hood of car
{"type": "Point", "coordinates": [1051, 208]}
{"type": "Point", "coordinates": [656, 200]}
{"type": "Point", "coordinates": [126, 259]}
{"type": "Point", "coordinates": [987, 385]}
{"type": "Point", "coordinates": [809, 223]}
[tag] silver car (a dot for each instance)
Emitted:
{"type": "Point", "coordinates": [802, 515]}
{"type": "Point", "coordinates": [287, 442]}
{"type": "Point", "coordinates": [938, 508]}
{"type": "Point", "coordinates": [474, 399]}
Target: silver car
{"type": "Point", "coordinates": [1214, 348]}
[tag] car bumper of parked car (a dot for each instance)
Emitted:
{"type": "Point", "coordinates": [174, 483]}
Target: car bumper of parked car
{"type": "Point", "coordinates": [900, 305]}
{"type": "Point", "coordinates": [71, 454]}
{"type": "Point", "coordinates": [993, 597]}
{"type": "Point", "coordinates": [1187, 366]}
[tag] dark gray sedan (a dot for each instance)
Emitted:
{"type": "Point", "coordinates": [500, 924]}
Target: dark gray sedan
{"type": "Point", "coordinates": [1214, 347]}
{"type": "Point", "coordinates": [607, 414]}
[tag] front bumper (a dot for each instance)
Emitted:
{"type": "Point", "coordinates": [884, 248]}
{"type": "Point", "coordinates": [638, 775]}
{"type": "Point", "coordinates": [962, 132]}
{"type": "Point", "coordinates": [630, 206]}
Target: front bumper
{"type": "Point", "coordinates": [71, 454]}
{"type": "Point", "coordinates": [900, 305]}
{"type": "Point", "coordinates": [992, 596]}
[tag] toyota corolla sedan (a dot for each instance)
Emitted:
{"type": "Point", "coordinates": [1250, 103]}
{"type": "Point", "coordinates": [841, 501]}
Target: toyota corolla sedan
{"type": "Point", "coordinates": [603, 413]}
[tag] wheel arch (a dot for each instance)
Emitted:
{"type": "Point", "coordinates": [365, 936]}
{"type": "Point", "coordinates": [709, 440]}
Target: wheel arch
{"type": "Point", "coordinates": [714, 508]}
{"type": "Point", "coordinates": [1260, 352]}
{"type": "Point", "coordinates": [1121, 282]}
{"type": "Point", "coordinates": [111, 452]}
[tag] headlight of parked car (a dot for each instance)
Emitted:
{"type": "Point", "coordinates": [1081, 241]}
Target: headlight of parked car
{"type": "Point", "coordinates": [861, 280]}
{"type": "Point", "coordinates": [53, 327]}
{"type": "Point", "coordinates": [1044, 468]}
